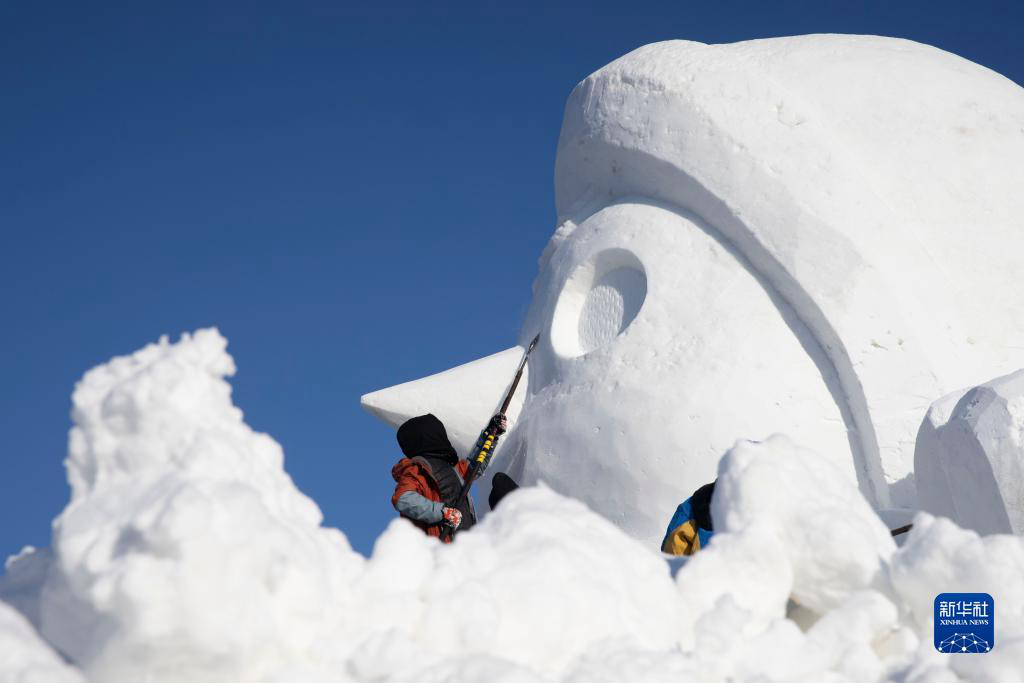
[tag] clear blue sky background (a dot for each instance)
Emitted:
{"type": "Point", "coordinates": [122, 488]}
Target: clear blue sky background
{"type": "Point", "coordinates": [355, 195]}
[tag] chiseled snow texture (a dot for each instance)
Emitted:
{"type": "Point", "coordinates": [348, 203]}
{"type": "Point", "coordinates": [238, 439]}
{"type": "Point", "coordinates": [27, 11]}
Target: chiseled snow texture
{"type": "Point", "coordinates": [969, 460]}
{"type": "Point", "coordinates": [826, 233]}
{"type": "Point", "coordinates": [186, 555]}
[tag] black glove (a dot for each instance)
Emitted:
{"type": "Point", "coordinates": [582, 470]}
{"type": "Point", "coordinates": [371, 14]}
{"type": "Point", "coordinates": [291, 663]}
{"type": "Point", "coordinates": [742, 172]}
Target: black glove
{"type": "Point", "coordinates": [498, 424]}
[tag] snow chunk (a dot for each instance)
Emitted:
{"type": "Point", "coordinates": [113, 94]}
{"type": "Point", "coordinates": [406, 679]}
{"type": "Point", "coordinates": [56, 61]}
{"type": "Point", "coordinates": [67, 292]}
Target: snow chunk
{"type": "Point", "coordinates": [538, 583]}
{"type": "Point", "coordinates": [940, 557]}
{"type": "Point", "coordinates": [24, 657]}
{"type": "Point", "coordinates": [186, 551]}
{"type": "Point", "coordinates": [825, 529]}
{"type": "Point", "coordinates": [969, 459]}
{"type": "Point", "coordinates": [22, 582]}
{"type": "Point", "coordinates": [789, 526]}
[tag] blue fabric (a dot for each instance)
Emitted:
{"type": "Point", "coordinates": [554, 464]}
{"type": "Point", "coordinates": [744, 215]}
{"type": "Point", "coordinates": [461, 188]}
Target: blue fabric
{"type": "Point", "coordinates": [683, 514]}
{"type": "Point", "coordinates": [415, 506]}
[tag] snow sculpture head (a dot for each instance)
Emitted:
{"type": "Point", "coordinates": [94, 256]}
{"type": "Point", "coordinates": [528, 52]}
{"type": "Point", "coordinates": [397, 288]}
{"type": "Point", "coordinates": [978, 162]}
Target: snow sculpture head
{"type": "Point", "coordinates": [810, 235]}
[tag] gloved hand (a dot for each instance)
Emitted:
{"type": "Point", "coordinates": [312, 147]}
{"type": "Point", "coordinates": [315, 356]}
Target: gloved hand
{"type": "Point", "coordinates": [499, 424]}
{"type": "Point", "coordinates": [451, 517]}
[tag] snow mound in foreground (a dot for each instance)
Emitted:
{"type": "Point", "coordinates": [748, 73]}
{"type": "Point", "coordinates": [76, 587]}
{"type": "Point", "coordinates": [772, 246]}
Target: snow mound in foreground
{"type": "Point", "coordinates": [186, 554]}
{"type": "Point", "coordinates": [24, 658]}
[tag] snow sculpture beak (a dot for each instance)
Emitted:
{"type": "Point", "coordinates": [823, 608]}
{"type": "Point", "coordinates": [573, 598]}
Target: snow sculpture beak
{"type": "Point", "coordinates": [463, 398]}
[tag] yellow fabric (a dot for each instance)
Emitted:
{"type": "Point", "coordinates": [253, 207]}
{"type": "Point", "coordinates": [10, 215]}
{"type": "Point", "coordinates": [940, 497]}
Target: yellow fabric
{"type": "Point", "coordinates": [683, 540]}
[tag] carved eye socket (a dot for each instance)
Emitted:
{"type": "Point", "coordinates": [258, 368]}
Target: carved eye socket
{"type": "Point", "coordinates": [598, 302]}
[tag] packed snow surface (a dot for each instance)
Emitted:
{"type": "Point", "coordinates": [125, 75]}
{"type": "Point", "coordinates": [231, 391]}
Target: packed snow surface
{"type": "Point", "coordinates": [186, 554]}
{"type": "Point", "coordinates": [25, 658]}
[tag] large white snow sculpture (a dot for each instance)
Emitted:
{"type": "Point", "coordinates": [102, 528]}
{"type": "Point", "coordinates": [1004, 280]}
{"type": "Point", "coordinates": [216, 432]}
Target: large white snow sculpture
{"type": "Point", "coordinates": [813, 235]}
{"type": "Point", "coordinates": [970, 457]}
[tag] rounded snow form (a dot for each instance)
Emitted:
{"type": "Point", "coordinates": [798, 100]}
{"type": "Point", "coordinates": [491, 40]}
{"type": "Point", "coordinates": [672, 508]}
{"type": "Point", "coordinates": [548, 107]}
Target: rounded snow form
{"type": "Point", "coordinates": [25, 657]}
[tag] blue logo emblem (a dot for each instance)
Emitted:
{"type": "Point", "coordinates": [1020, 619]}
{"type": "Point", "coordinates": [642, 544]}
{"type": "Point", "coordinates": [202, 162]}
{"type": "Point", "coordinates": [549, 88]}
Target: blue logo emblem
{"type": "Point", "coordinates": [965, 622]}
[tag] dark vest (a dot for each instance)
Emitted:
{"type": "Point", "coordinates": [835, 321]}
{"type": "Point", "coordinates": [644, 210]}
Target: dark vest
{"type": "Point", "coordinates": [449, 484]}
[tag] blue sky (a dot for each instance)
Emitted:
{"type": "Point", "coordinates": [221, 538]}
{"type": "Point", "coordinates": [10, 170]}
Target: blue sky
{"type": "Point", "coordinates": [355, 195]}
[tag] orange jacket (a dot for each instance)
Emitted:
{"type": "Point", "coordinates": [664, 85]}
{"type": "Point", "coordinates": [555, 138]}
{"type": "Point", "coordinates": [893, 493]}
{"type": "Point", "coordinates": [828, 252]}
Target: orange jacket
{"type": "Point", "coordinates": [412, 474]}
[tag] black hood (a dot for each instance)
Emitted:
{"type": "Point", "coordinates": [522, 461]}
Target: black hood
{"type": "Point", "coordinates": [700, 505]}
{"type": "Point", "coordinates": [501, 486]}
{"type": "Point", "coordinates": [425, 435]}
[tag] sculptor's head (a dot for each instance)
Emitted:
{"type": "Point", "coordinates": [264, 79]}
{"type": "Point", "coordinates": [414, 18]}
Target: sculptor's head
{"type": "Point", "coordinates": [754, 238]}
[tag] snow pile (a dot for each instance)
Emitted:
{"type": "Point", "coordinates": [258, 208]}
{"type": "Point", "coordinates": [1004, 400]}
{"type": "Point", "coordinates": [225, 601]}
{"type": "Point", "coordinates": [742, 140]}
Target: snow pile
{"type": "Point", "coordinates": [186, 554]}
{"type": "Point", "coordinates": [185, 551]}
{"type": "Point", "coordinates": [794, 529]}
{"type": "Point", "coordinates": [538, 585]}
{"type": "Point", "coordinates": [24, 657]}
{"type": "Point", "coordinates": [941, 557]}
{"type": "Point", "coordinates": [970, 457]}
{"type": "Point", "coordinates": [833, 541]}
